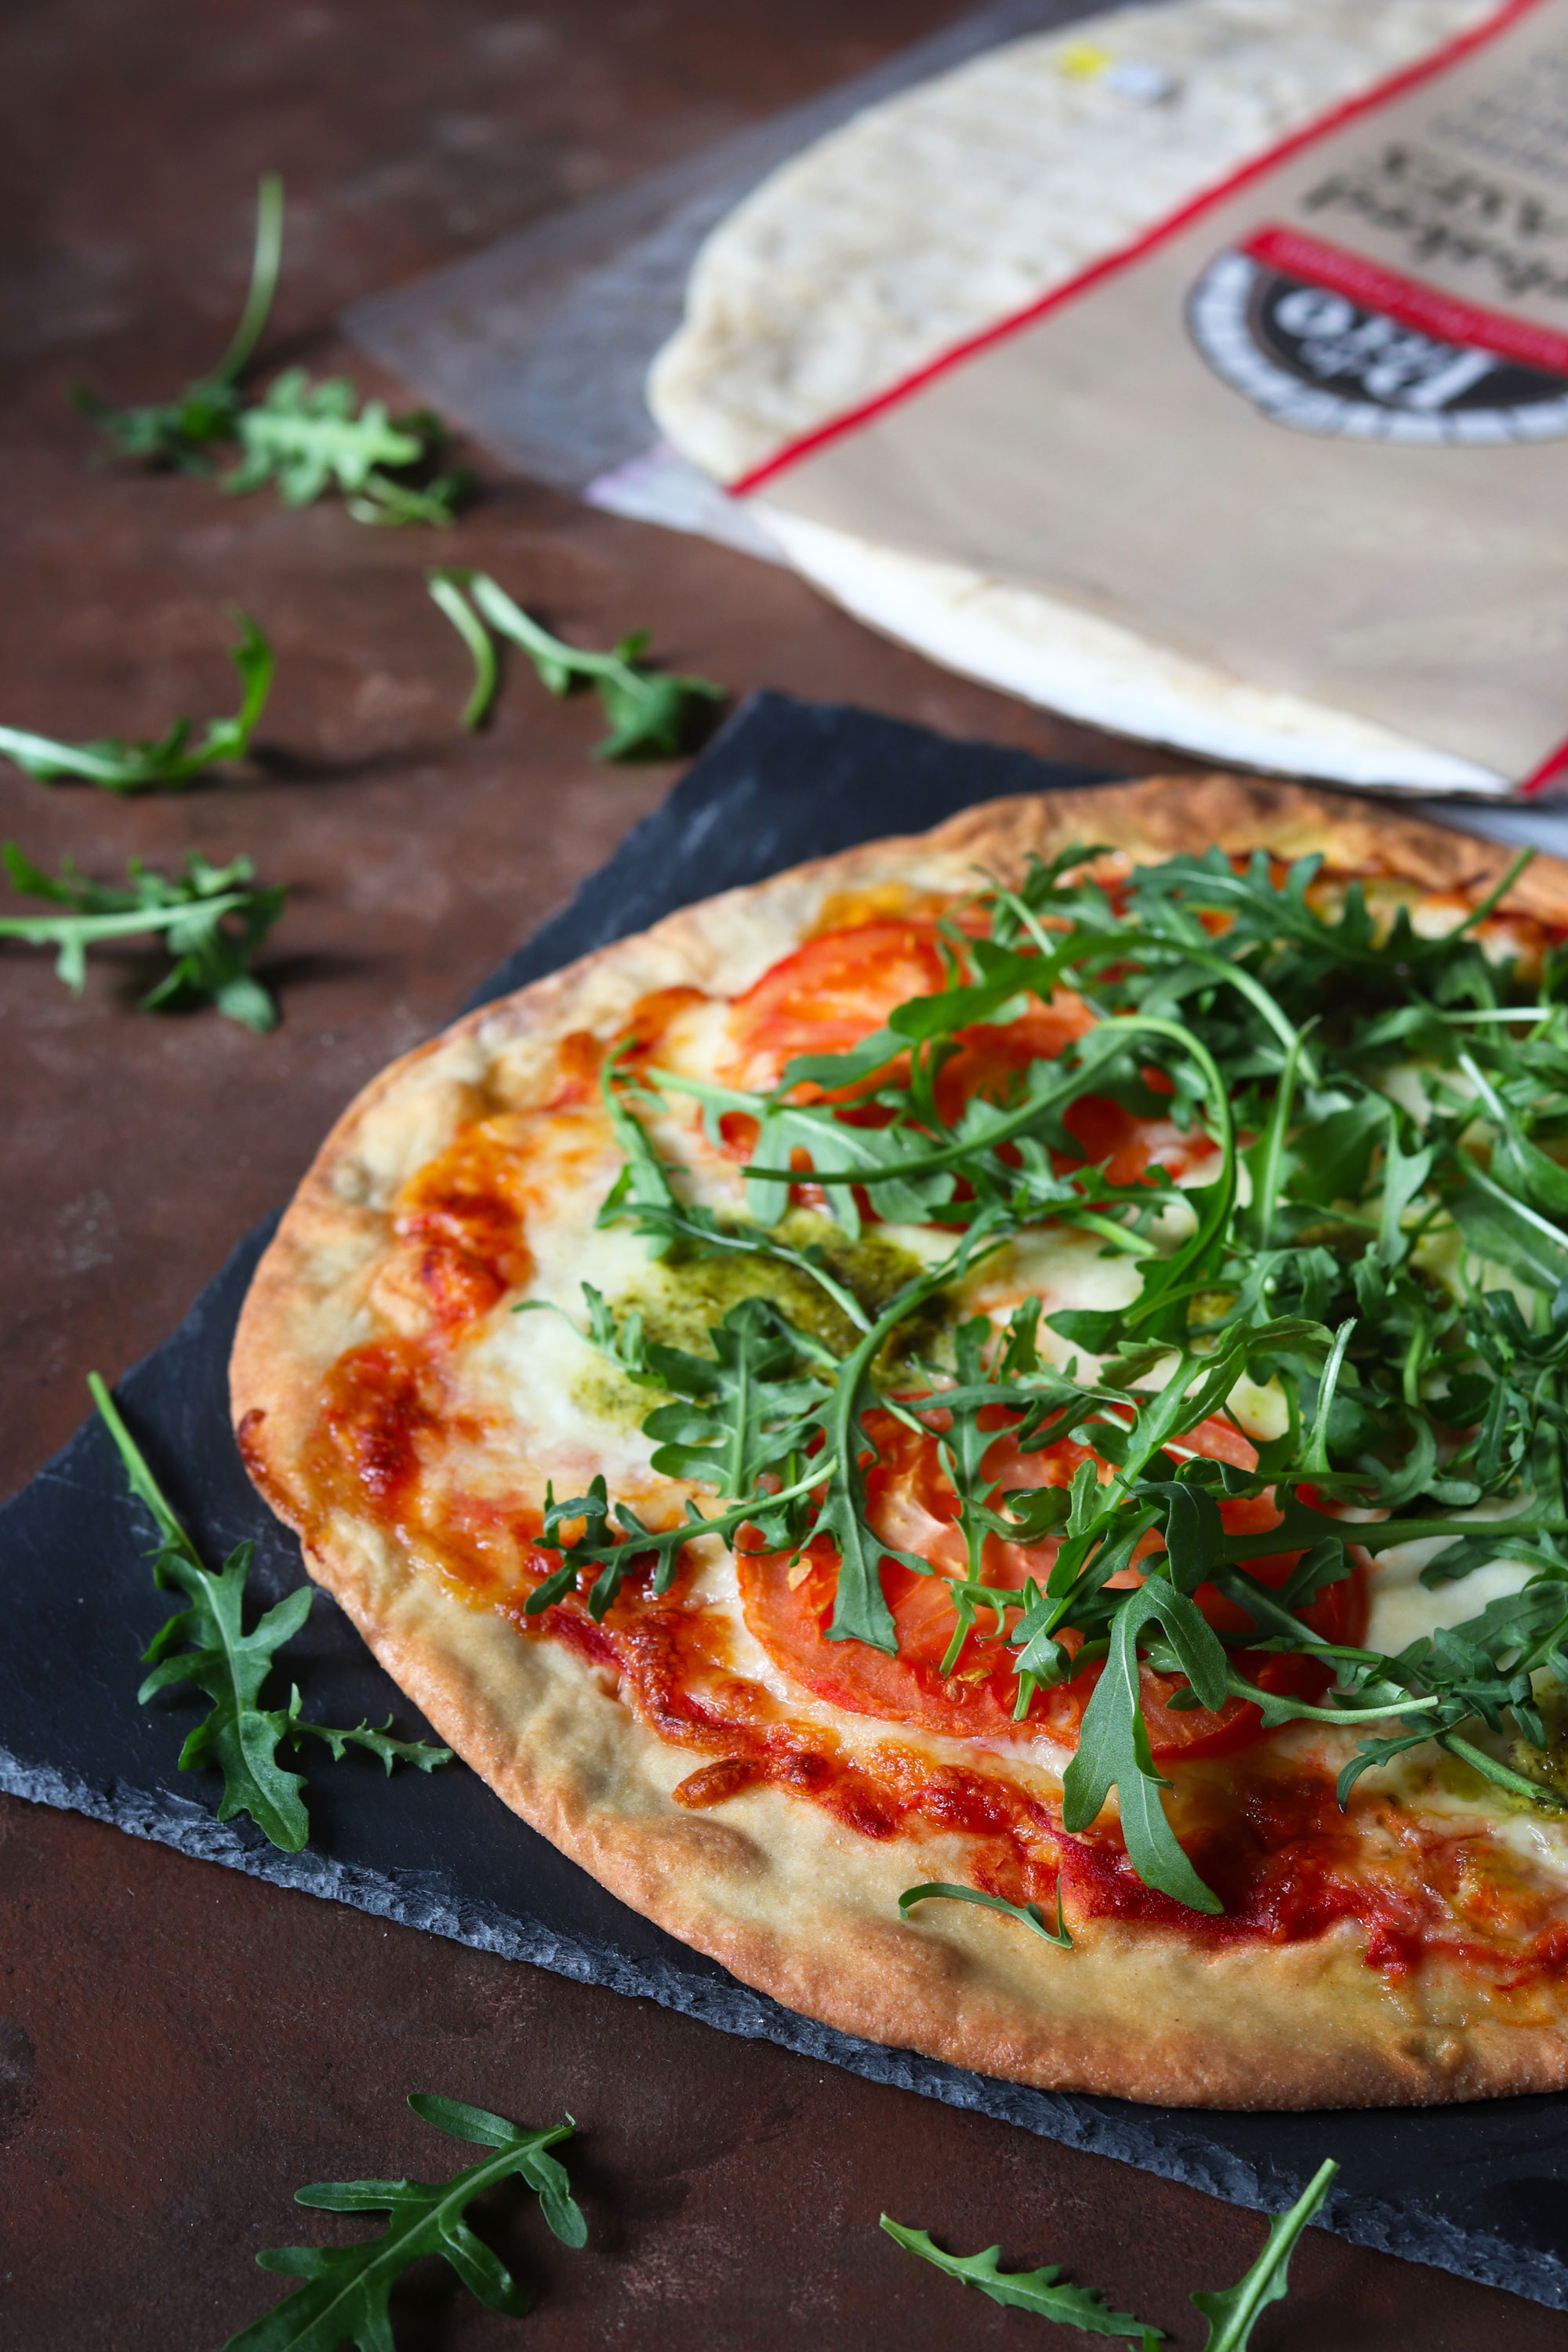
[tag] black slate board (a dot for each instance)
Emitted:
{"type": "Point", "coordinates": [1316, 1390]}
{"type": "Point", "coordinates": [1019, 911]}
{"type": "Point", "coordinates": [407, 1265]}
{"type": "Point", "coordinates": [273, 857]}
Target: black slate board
{"type": "Point", "coordinates": [1481, 2190]}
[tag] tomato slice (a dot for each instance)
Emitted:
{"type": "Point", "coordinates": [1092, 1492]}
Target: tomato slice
{"type": "Point", "coordinates": [989, 1060]}
{"type": "Point", "coordinates": [789, 1606]}
{"type": "Point", "coordinates": [1107, 1130]}
{"type": "Point", "coordinates": [789, 1609]}
{"type": "Point", "coordinates": [831, 993]}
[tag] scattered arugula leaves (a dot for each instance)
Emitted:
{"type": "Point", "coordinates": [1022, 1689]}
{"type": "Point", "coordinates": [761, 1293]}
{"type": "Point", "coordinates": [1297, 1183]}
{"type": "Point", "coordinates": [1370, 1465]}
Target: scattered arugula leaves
{"type": "Point", "coordinates": [211, 957]}
{"type": "Point", "coordinates": [210, 919]}
{"type": "Point", "coordinates": [305, 438]}
{"type": "Point", "coordinates": [1038, 2291]}
{"type": "Point", "coordinates": [1232, 2312]}
{"type": "Point", "coordinates": [653, 714]}
{"type": "Point", "coordinates": [173, 761]}
{"type": "Point", "coordinates": [240, 1737]}
{"type": "Point", "coordinates": [344, 2298]}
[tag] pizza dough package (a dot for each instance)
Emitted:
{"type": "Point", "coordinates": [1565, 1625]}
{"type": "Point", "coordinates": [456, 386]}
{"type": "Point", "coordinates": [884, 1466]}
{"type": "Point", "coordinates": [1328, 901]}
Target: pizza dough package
{"type": "Point", "coordinates": [1209, 362]}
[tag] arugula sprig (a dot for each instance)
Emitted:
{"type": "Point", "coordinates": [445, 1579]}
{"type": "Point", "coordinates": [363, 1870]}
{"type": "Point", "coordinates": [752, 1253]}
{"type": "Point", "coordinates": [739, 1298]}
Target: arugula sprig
{"type": "Point", "coordinates": [210, 921]}
{"type": "Point", "coordinates": [1233, 2312]}
{"type": "Point", "coordinates": [308, 439]}
{"type": "Point", "coordinates": [305, 438]}
{"type": "Point", "coordinates": [1040, 2291]}
{"type": "Point", "coordinates": [345, 2297]}
{"type": "Point", "coordinates": [206, 1643]}
{"type": "Point", "coordinates": [647, 1200]}
{"type": "Point", "coordinates": [179, 432]}
{"type": "Point", "coordinates": [1263, 1017]}
{"type": "Point", "coordinates": [653, 714]}
{"type": "Point", "coordinates": [173, 761]}
{"type": "Point", "coordinates": [1029, 1915]}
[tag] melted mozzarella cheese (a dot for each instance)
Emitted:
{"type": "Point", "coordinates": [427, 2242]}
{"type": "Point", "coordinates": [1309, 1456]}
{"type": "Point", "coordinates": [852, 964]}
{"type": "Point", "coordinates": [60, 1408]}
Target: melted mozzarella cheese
{"type": "Point", "coordinates": [1404, 1609]}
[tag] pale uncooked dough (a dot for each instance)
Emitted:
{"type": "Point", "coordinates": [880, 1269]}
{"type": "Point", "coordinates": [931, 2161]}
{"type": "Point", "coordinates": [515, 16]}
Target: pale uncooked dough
{"type": "Point", "coordinates": [965, 200]}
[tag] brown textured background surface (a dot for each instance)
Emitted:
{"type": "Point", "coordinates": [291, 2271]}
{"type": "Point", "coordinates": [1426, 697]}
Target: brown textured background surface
{"type": "Point", "coordinates": [179, 2046]}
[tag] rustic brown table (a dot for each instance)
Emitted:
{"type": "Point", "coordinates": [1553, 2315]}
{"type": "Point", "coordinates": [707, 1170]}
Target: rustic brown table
{"type": "Point", "coordinates": [180, 2046]}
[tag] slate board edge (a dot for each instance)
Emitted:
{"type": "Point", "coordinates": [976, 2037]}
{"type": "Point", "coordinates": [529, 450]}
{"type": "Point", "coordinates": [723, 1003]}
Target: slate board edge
{"type": "Point", "coordinates": [730, 2007]}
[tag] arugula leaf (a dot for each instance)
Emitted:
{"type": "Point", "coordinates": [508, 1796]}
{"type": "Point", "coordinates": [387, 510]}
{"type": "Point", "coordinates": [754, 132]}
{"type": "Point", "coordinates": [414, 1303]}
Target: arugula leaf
{"type": "Point", "coordinates": [230, 1665]}
{"type": "Point", "coordinates": [1086, 1326]}
{"type": "Point", "coordinates": [1403, 1176]}
{"type": "Point", "coordinates": [240, 1737]}
{"type": "Point", "coordinates": [1509, 1234]}
{"type": "Point", "coordinates": [1038, 2291]}
{"type": "Point", "coordinates": [139, 767]}
{"type": "Point", "coordinates": [1029, 1915]}
{"type": "Point", "coordinates": [653, 714]}
{"type": "Point", "coordinates": [311, 437]}
{"type": "Point", "coordinates": [375, 1740]}
{"type": "Point", "coordinates": [209, 920]}
{"type": "Point", "coordinates": [178, 432]}
{"type": "Point", "coordinates": [346, 2291]}
{"type": "Point", "coordinates": [1338, 1164]}
{"type": "Point", "coordinates": [1232, 2312]}
{"type": "Point", "coordinates": [1113, 1740]}
{"type": "Point", "coordinates": [741, 1415]}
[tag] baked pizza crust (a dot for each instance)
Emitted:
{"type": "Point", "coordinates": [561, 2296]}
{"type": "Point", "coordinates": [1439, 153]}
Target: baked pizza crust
{"type": "Point", "coordinates": [773, 1886]}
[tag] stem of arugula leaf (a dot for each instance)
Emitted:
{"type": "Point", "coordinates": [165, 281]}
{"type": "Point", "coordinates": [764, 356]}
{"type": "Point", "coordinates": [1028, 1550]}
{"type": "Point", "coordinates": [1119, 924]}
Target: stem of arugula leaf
{"type": "Point", "coordinates": [1316, 1459]}
{"type": "Point", "coordinates": [1126, 943]}
{"type": "Point", "coordinates": [1134, 1245]}
{"type": "Point", "coordinates": [842, 1420]}
{"type": "Point", "coordinates": [1274, 1147]}
{"type": "Point", "coordinates": [512, 622]}
{"type": "Point", "coordinates": [446, 586]}
{"type": "Point", "coordinates": [140, 1478]}
{"type": "Point", "coordinates": [1487, 1765]}
{"type": "Point", "coordinates": [46, 930]}
{"type": "Point", "coordinates": [1497, 1012]}
{"type": "Point", "coordinates": [265, 263]}
{"type": "Point", "coordinates": [1494, 898]}
{"type": "Point", "coordinates": [1345, 1718]}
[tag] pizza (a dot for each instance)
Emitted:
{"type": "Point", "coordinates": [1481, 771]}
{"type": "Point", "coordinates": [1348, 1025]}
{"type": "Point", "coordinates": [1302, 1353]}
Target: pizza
{"type": "Point", "coordinates": [977, 1430]}
{"type": "Point", "coordinates": [838, 278]}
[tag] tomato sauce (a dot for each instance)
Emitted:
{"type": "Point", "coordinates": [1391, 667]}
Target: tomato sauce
{"type": "Point", "coordinates": [378, 1403]}
{"type": "Point", "coordinates": [831, 993]}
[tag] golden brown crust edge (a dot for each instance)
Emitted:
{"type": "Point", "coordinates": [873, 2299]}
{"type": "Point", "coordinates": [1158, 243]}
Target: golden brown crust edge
{"type": "Point", "coordinates": [773, 1889]}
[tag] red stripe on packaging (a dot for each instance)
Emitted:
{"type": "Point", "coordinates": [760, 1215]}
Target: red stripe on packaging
{"type": "Point", "coordinates": [1444, 316]}
{"type": "Point", "coordinates": [1552, 771]}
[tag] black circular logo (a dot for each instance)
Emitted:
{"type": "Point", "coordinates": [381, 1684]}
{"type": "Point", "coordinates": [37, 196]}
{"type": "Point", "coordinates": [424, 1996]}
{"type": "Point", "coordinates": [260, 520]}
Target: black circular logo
{"type": "Point", "coordinates": [1318, 360]}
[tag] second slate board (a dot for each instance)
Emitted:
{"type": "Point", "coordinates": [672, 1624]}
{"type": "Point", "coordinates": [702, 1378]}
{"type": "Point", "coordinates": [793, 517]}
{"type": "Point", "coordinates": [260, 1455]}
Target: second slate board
{"type": "Point", "coordinates": [1481, 2190]}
